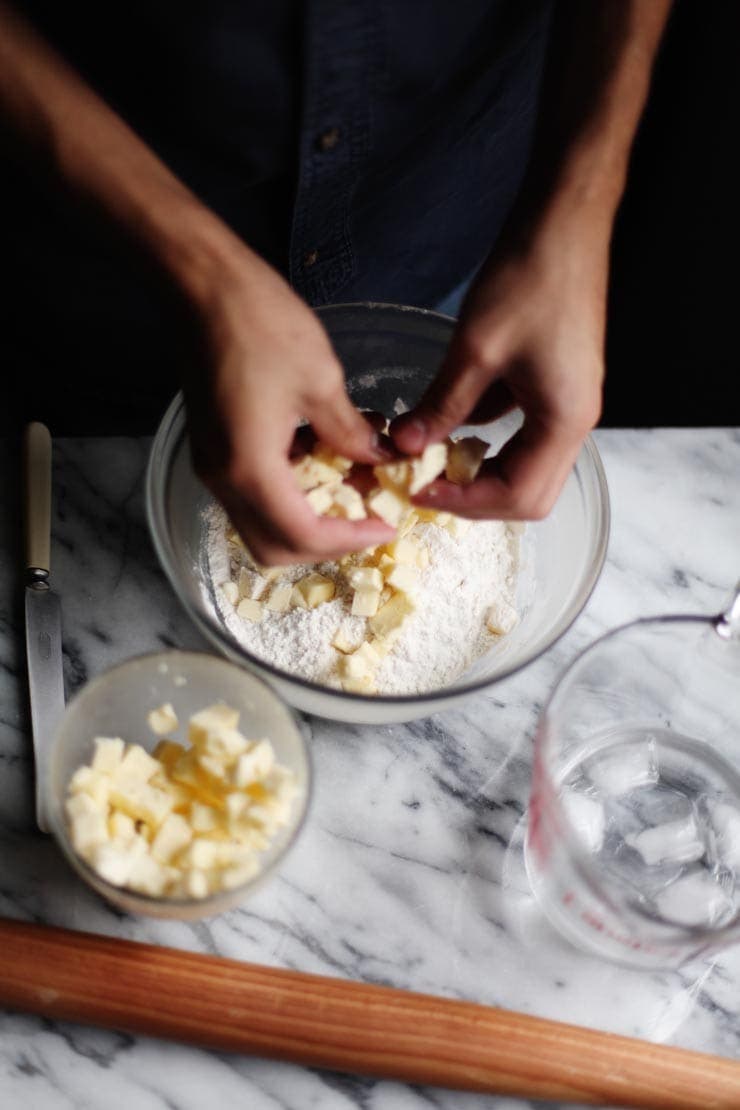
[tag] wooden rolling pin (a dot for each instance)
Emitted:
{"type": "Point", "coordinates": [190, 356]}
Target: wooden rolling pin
{"type": "Point", "coordinates": [345, 1026]}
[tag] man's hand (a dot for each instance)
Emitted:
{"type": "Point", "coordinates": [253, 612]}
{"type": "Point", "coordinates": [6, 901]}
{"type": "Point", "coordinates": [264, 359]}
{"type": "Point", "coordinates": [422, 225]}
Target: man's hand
{"type": "Point", "coordinates": [531, 335]}
{"type": "Point", "coordinates": [531, 332]}
{"type": "Point", "coordinates": [272, 365]}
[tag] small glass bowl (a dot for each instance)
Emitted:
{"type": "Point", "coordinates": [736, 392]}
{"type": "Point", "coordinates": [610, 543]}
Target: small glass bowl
{"type": "Point", "coordinates": [117, 702]}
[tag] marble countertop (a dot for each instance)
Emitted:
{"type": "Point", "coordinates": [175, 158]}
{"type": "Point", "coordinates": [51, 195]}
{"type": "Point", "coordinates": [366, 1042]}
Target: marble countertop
{"type": "Point", "coordinates": [409, 869]}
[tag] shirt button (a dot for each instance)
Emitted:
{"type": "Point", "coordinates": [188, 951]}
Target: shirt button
{"type": "Point", "coordinates": [328, 139]}
{"type": "Point", "coordinates": [310, 259]}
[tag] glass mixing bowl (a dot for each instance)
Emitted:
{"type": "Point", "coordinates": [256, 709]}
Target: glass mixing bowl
{"type": "Point", "coordinates": [390, 354]}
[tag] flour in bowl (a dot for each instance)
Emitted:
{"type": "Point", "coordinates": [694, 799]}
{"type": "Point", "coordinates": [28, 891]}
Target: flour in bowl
{"type": "Point", "coordinates": [463, 600]}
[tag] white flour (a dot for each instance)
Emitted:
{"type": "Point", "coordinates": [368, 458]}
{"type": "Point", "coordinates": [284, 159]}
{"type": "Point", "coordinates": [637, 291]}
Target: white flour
{"type": "Point", "coordinates": [437, 642]}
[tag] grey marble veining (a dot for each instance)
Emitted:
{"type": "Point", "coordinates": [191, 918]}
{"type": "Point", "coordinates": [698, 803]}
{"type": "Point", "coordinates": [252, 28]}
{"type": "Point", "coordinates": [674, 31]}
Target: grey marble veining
{"type": "Point", "coordinates": [409, 871]}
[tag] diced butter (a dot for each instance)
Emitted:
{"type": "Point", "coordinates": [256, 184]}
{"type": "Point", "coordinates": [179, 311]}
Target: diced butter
{"type": "Point", "coordinates": [87, 830]}
{"type": "Point", "coordinates": [365, 602]}
{"type": "Point", "coordinates": [218, 717]}
{"type": "Point", "coordinates": [203, 818]}
{"type": "Point", "coordinates": [254, 764]}
{"type": "Point", "coordinates": [141, 801]}
{"type": "Point", "coordinates": [345, 641]}
{"type": "Point", "coordinates": [250, 610]}
{"type": "Point", "coordinates": [347, 502]}
{"type": "Point", "coordinates": [315, 589]}
{"type": "Point", "coordinates": [393, 475]}
{"type": "Point", "coordinates": [172, 836]}
{"type": "Point", "coordinates": [310, 472]}
{"type": "Point", "coordinates": [167, 752]}
{"type": "Point", "coordinates": [428, 466]}
{"type": "Point", "coordinates": [387, 505]}
{"type": "Point", "coordinates": [148, 876]}
{"type": "Point", "coordinates": [321, 499]}
{"type": "Point", "coordinates": [408, 523]}
{"type": "Point", "coordinates": [391, 615]}
{"type": "Point", "coordinates": [121, 826]}
{"type": "Point", "coordinates": [108, 754]}
{"type": "Point", "coordinates": [464, 459]}
{"type": "Point", "coordinates": [365, 578]}
{"type": "Point", "coordinates": [326, 455]}
{"type": "Point", "coordinates": [458, 526]}
{"type": "Point", "coordinates": [279, 599]}
{"type": "Point", "coordinates": [403, 578]}
{"type": "Point", "coordinates": [162, 720]}
{"type": "Point", "coordinates": [251, 584]}
{"type": "Point", "coordinates": [136, 765]}
{"type": "Point", "coordinates": [403, 551]}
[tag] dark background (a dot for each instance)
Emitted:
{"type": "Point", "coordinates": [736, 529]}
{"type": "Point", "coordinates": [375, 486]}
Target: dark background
{"type": "Point", "coordinates": [671, 349]}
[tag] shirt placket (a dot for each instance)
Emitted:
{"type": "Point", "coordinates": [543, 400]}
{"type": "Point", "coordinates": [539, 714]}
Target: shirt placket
{"type": "Point", "coordinates": [338, 60]}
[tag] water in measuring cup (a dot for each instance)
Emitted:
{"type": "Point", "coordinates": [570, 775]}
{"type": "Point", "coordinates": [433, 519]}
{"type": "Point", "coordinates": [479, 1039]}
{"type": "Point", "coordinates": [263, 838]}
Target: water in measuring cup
{"type": "Point", "coordinates": [660, 813]}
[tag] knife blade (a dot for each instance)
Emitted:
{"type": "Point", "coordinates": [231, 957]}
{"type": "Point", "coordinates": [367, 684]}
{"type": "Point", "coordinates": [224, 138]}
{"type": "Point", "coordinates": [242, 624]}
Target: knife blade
{"type": "Point", "coordinates": [43, 610]}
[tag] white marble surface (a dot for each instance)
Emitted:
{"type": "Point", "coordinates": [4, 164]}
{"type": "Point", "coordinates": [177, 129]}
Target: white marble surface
{"type": "Point", "coordinates": [406, 873]}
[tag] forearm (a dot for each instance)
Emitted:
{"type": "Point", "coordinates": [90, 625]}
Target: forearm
{"type": "Point", "coordinates": [595, 87]}
{"type": "Point", "coordinates": [75, 135]}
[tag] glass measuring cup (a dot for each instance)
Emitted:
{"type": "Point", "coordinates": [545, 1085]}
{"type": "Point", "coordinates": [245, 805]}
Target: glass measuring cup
{"type": "Point", "coordinates": [633, 837]}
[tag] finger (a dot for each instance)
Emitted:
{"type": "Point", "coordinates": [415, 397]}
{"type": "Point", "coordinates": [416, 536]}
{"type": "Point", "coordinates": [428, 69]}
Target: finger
{"type": "Point", "coordinates": [521, 483]}
{"type": "Point", "coordinates": [447, 403]}
{"type": "Point", "coordinates": [342, 427]}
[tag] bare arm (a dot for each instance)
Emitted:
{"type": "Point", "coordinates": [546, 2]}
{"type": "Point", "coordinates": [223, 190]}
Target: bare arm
{"type": "Point", "coordinates": [531, 331]}
{"type": "Point", "coordinates": [271, 363]}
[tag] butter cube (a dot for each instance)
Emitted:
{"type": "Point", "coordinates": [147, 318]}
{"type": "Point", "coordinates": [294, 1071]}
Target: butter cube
{"type": "Point", "coordinates": [315, 589]}
{"type": "Point", "coordinates": [213, 767]}
{"type": "Point", "coordinates": [93, 783]}
{"type": "Point", "coordinates": [120, 826]}
{"type": "Point", "coordinates": [387, 505]}
{"type": "Point", "coordinates": [141, 801]}
{"type": "Point", "coordinates": [394, 475]}
{"type": "Point", "coordinates": [347, 503]}
{"type": "Point", "coordinates": [172, 836]}
{"type": "Point", "coordinates": [365, 603]}
{"type": "Point", "coordinates": [361, 664]}
{"type": "Point", "coordinates": [230, 590]}
{"type": "Point", "coordinates": [363, 685]}
{"type": "Point", "coordinates": [279, 598]}
{"type": "Point", "coordinates": [114, 862]}
{"type": "Point", "coordinates": [326, 455]}
{"type": "Point", "coordinates": [108, 754]}
{"type": "Point", "coordinates": [195, 884]}
{"type": "Point", "coordinates": [403, 551]}
{"type": "Point", "coordinates": [167, 752]}
{"type": "Point", "coordinates": [214, 719]}
{"type": "Point", "coordinates": [87, 830]}
{"type": "Point", "coordinates": [203, 818]}
{"type": "Point", "coordinates": [78, 805]}
{"type": "Point", "coordinates": [235, 804]}
{"type": "Point", "coordinates": [501, 618]}
{"type": "Point", "coordinates": [365, 578]}
{"type": "Point", "coordinates": [321, 499]}
{"type": "Point", "coordinates": [162, 720]}
{"type": "Point", "coordinates": [188, 773]}
{"type": "Point", "coordinates": [428, 466]}
{"type": "Point", "coordinates": [251, 584]}
{"type": "Point", "coordinates": [310, 472]}
{"type": "Point", "coordinates": [464, 459]}
{"type": "Point", "coordinates": [250, 610]}
{"type": "Point", "coordinates": [254, 764]}
{"type": "Point", "coordinates": [391, 615]}
{"type": "Point", "coordinates": [403, 578]}
{"type": "Point", "coordinates": [149, 876]}
{"type": "Point", "coordinates": [136, 765]}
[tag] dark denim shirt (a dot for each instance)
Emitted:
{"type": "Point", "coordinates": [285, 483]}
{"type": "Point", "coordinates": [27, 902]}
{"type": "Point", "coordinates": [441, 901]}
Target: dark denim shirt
{"type": "Point", "coordinates": [369, 151]}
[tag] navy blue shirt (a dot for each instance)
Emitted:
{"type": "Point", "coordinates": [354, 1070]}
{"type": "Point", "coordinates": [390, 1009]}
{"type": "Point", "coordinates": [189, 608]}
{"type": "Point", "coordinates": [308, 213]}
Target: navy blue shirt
{"type": "Point", "coordinates": [369, 151]}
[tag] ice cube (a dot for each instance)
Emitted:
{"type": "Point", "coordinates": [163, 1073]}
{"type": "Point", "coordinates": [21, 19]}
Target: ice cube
{"type": "Point", "coordinates": [618, 772]}
{"type": "Point", "coordinates": [674, 842]}
{"type": "Point", "coordinates": [696, 899]}
{"type": "Point", "coordinates": [586, 815]}
{"type": "Point", "coordinates": [726, 824]}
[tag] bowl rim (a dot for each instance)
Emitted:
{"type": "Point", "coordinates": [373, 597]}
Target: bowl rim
{"type": "Point", "coordinates": [173, 428]}
{"type": "Point", "coordinates": [221, 900]}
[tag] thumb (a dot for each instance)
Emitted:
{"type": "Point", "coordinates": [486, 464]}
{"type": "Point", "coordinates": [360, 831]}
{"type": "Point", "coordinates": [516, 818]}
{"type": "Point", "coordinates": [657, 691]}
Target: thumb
{"type": "Point", "coordinates": [447, 403]}
{"type": "Point", "coordinates": [337, 422]}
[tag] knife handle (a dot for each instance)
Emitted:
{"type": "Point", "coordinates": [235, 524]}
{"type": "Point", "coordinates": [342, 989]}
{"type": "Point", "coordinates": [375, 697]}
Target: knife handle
{"type": "Point", "coordinates": [37, 486]}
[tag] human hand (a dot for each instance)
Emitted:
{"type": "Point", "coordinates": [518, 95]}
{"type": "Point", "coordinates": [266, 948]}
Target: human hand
{"type": "Point", "coordinates": [530, 334]}
{"type": "Point", "coordinates": [269, 364]}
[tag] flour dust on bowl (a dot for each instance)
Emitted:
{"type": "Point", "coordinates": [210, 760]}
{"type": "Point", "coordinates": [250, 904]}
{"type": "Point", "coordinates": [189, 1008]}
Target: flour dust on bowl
{"type": "Point", "coordinates": [390, 355]}
{"type": "Point", "coordinates": [177, 783]}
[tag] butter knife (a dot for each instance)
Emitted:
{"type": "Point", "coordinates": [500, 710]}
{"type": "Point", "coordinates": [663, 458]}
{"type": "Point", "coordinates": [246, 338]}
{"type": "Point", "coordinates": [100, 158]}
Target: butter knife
{"type": "Point", "coordinates": [43, 611]}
